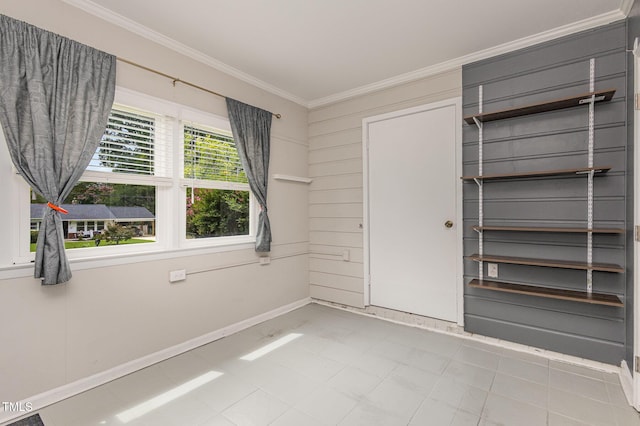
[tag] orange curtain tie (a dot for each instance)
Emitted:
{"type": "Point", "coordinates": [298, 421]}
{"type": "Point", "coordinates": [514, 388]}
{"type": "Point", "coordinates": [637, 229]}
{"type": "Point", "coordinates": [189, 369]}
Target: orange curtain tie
{"type": "Point", "coordinates": [57, 208]}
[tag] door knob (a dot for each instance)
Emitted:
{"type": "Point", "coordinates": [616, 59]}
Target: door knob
{"type": "Point", "coordinates": [448, 224]}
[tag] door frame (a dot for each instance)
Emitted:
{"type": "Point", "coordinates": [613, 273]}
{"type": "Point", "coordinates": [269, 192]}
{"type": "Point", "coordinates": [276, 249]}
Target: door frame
{"type": "Point", "coordinates": [635, 392]}
{"type": "Point", "coordinates": [458, 226]}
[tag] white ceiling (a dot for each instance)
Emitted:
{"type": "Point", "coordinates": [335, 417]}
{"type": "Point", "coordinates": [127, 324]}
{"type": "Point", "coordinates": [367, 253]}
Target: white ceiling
{"type": "Point", "coordinates": [318, 51]}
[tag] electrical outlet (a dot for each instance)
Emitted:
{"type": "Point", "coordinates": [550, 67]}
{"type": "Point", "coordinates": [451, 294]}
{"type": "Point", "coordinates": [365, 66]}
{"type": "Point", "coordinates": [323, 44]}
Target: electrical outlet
{"type": "Point", "coordinates": [492, 270]}
{"type": "Point", "coordinates": [177, 275]}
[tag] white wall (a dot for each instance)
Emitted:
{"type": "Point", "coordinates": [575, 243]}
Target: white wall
{"type": "Point", "coordinates": [336, 197]}
{"type": "Point", "coordinates": [106, 316]}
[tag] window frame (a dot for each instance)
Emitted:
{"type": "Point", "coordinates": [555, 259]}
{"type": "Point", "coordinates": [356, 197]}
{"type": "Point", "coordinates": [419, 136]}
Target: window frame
{"type": "Point", "coordinates": [170, 193]}
{"type": "Point", "coordinates": [222, 126]}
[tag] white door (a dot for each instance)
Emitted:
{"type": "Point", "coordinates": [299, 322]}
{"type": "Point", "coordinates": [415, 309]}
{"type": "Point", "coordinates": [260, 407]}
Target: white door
{"type": "Point", "coordinates": [411, 209]}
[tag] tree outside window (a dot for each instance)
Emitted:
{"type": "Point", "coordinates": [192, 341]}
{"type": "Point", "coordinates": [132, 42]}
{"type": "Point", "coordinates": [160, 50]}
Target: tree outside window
{"type": "Point", "coordinates": [218, 197]}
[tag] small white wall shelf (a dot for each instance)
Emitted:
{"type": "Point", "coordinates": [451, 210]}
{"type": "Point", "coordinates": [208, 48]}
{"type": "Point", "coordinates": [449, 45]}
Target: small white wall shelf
{"type": "Point", "coordinates": [292, 178]}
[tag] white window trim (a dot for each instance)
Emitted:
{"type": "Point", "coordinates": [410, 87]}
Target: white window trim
{"type": "Point", "coordinates": [170, 226]}
{"type": "Point", "coordinates": [210, 122]}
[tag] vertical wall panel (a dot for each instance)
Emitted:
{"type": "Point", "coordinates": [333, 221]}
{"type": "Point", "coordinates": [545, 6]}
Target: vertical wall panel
{"type": "Point", "coordinates": [633, 30]}
{"type": "Point", "coordinates": [545, 141]}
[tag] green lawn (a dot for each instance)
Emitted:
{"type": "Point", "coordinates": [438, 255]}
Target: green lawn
{"type": "Point", "coordinates": [91, 243]}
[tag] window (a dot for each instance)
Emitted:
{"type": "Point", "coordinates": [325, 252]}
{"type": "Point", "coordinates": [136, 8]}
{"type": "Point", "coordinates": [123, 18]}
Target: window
{"type": "Point", "coordinates": [217, 199]}
{"type": "Point", "coordinates": [147, 190]}
{"type": "Point", "coordinates": [120, 184]}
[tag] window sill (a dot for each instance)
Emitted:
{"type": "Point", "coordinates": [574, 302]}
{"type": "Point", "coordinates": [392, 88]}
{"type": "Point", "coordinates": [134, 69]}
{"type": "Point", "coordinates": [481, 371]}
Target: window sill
{"type": "Point", "coordinates": [122, 258]}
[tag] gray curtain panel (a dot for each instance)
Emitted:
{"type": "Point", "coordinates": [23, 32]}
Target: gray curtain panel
{"type": "Point", "coordinates": [55, 99]}
{"type": "Point", "coordinates": [251, 128]}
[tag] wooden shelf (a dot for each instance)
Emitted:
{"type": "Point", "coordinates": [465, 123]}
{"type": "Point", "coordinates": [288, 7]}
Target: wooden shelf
{"type": "Point", "coordinates": [550, 229]}
{"type": "Point", "coordinates": [551, 293]}
{"type": "Point", "coordinates": [541, 173]}
{"type": "Point", "coordinates": [549, 263]}
{"type": "Point", "coordinates": [553, 105]}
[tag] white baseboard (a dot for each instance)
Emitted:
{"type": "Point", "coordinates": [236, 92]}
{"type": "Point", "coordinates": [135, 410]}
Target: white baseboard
{"type": "Point", "coordinates": [626, 380]}
{"type": "Point", "coordinates": [52, 396]}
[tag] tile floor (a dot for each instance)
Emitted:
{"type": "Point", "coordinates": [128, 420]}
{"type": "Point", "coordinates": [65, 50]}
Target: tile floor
{"type": "Point", "coordinates": [347, 369]}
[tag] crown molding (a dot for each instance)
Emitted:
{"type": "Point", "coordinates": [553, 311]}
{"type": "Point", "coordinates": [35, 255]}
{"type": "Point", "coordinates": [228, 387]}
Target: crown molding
{"type": "Point", "coordinates": [139, 29]}
{"type": "Point", "coordinates": [625, 7]}
{"type": "Point", "coordinates": [450, 65]}
{"type": "Point", "coordinates": [134, 27]}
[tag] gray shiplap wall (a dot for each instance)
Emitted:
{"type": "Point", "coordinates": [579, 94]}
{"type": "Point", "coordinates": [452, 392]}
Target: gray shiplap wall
{"type": "Point", "coordinates": [552, 140]}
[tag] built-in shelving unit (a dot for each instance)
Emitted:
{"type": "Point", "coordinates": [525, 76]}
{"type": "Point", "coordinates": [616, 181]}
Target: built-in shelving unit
{"type": "Point", "coordinates": [553, 105]}
{"type": "Point", "coordinates": [550, 293]}
{"type": "Point", "coordinates": [589, 100]}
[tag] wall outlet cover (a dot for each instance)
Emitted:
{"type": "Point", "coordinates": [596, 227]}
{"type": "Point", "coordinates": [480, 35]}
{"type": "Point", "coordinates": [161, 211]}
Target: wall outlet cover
{"type": "Point", "coordinates": [492, 270]}
{"type": "Point", "coordinates": [177, 275]}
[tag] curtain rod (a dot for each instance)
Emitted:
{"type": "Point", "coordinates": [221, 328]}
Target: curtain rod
{"type": "Point", "coordinates": [177, 80]}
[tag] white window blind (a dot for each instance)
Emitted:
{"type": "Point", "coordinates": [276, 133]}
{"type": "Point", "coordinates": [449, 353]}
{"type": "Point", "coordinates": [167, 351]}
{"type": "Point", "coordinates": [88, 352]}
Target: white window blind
{"type": "Point", "coordinates": [211, 155]}
{"type": "Point", "coordinates": [134, 143]}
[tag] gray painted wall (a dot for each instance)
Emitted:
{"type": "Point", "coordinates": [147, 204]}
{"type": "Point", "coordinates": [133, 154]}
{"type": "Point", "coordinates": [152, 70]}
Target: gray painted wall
{"type": "Point", "coordinates": [553, 140]}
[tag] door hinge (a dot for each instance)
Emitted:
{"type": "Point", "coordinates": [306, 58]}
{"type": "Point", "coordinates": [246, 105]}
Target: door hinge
{"type": "Point", "coordinates": [637, 101]}
{"type": "Point", "coordinates": [637, 366]}
{"type": "Point", "coordinates": [638, 233]}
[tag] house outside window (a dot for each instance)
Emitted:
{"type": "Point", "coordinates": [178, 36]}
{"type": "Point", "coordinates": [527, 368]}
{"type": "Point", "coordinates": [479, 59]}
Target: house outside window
{"type": "Point", "coordinates": [81, 221]}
